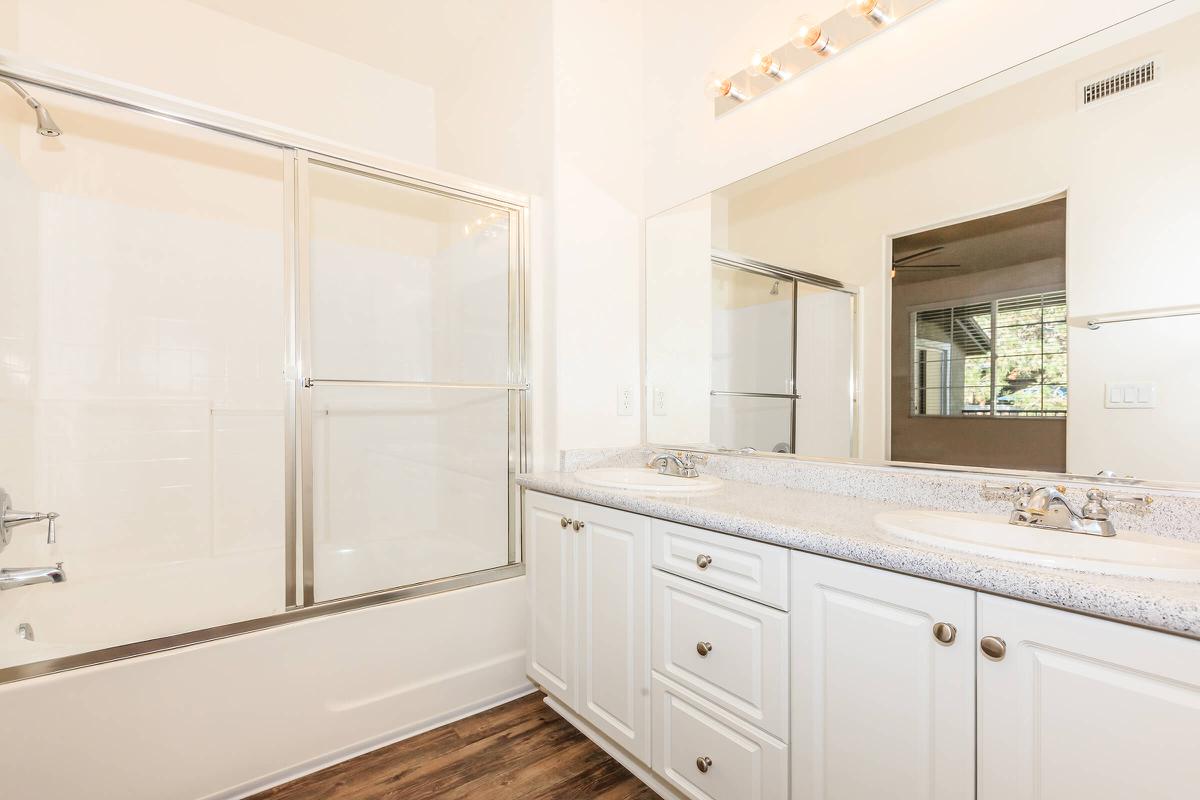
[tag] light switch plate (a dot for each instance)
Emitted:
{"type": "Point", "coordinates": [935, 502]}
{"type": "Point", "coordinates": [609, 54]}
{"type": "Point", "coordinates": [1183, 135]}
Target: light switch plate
{"type": "Point", "coordinates": [1130, 394]}
{"type": "Point", "coordinates": [625, 400]}
{"type": "Point", "coordinates": [658, 400]}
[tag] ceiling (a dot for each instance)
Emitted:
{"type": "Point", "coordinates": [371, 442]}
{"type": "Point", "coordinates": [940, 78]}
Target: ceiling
{"type": "Point", "coordinates": [405, 37]}
{"type": "Point", "coordinates": [1033, 233]}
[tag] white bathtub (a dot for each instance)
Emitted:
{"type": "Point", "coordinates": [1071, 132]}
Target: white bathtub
{"type": "Point", "coordinates": [103, 607]}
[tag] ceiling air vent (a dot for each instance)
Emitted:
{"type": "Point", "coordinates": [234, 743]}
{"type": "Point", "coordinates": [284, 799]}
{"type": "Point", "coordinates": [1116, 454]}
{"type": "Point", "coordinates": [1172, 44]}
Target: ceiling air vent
{"type": "Point", "coordinates": [1125, 79]}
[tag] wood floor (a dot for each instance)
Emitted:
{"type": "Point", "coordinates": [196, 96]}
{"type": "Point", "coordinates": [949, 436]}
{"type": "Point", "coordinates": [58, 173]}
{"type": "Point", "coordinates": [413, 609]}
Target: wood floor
{"type": "Point", "coordinates": [518, 750]}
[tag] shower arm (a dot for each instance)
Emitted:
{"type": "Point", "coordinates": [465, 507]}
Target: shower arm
{"type": "Point", "coordinates": [20, 90]}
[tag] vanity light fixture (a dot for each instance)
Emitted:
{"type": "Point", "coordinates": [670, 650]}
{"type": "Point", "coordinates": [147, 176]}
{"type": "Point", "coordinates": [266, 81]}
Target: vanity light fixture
{"type": "Point", "coordinates": [810, 43]}
{"type": "Point", "coordinates": [717, 87]}
{"type": "Point", "coordinates": [809, 35]}
{"type": "Point", "coordinates": [871, 10]}
{"type": "Point", "coordinates": [766, 64]}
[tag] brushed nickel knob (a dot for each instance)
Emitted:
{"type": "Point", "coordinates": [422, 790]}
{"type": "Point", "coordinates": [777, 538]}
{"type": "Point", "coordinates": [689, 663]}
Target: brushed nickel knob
{"type": "Point", "coordinates": [576, 525]}
{"type": "Point", "coordinates": [564, 522]}
{"type": "Point", "coordinates": [703, 648]}
{"type": "Point", "coordinates": [944, 633]}
{"type": "Point", "coordinates": [703, 763]}
{"type": "Point", "coordinates": [702, 561]}
{"type": "Point", "coordinates": [993, 647]}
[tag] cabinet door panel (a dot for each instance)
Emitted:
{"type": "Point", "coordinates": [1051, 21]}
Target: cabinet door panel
{"type": "Point", "coordinates": [745, 672]}
{"type": "Point", "coordinates": [614, 591]}
{"type": "Point", "coordinates": [740, 762]}
{"type": "Point", "coordinates": [550, 558]}
{"type": "Point", "coordinates": [1083, 709]}
{"type": "Point", "coordinates": [879, 707]}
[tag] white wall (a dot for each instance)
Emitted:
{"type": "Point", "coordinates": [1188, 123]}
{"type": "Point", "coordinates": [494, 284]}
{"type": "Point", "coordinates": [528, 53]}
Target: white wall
{"type": "Point", "coordinates": [597, 218]}
{"type": "Point", "coordinates": [184, 50]}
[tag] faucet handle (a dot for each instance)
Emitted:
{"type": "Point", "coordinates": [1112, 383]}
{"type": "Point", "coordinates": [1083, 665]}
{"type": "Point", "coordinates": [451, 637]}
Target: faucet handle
{"type": "Point", "coordinates": [1019, 494]}
{"type": "Point", "coordinates": [1095, 507]}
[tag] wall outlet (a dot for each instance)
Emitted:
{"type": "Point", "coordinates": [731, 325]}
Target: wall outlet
{"type": "Point", "coordinates": [658, 401]}
{"type": "Point", "coordinates": [1130, 395]}
{"type": "Point", "coordinates": [625, 400]}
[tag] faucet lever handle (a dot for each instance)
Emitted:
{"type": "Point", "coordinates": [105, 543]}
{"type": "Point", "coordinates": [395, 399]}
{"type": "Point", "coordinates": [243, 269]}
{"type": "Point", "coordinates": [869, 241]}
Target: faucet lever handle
{"type": "Point", "coordinates": [1095, 507]}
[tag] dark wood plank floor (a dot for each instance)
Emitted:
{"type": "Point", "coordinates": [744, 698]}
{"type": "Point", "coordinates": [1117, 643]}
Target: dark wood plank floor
{"type": "Point", "coordinates": [519, 750]}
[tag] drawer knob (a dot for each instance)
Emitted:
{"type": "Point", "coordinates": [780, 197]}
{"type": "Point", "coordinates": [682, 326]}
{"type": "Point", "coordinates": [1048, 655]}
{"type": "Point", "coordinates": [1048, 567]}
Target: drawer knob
{"type": "Point", "coordinates": [576, 525]}
{"type": "Point", "coordinates": [703, 763]}
{"type": "Point", "coordinates": [944, 633]}
{"type": "Point", "coordinates": [564, 522]}
{"type": "Point", "coordinates": [702, 561]}
{"type": "Point", "coordinates": [703, 648]}
{"type": "Point", "coordinates": [993, 647]}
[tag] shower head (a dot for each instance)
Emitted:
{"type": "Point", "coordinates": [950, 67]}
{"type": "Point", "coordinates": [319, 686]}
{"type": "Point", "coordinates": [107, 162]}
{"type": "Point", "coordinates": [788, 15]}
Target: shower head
{"type": "Point", "coordinates": [45, 123]}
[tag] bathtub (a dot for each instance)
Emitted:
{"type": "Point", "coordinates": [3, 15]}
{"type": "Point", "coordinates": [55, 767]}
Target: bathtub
{"type": "Point", "coordinates": [99, 607]}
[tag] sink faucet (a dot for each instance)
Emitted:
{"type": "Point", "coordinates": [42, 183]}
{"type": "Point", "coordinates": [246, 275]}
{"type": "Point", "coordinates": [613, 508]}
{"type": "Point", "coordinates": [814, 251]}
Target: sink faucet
{"type": "Point", "coordinates": [16, 577]}
{"type": "Point", "coordinates": [1048, 507]}
{"type": "Point", "coordinates": [681, 464]}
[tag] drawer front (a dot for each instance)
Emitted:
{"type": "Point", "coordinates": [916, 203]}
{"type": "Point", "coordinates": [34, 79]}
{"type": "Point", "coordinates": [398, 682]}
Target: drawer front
{"type": "Point", "coordinates": [708, 755]}
{"type": "Point", "coordinates": [746, 670]}
{"type": "Point", "coordinates": [751, 569]}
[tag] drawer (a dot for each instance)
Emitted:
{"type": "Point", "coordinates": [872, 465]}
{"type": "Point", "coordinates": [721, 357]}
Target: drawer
{"type": "Point", "coordinates": [752, 569]}
{"type": "Point", "coordinates": [739, 762]}
{"type": "Point", "coordinates": [746, 670]}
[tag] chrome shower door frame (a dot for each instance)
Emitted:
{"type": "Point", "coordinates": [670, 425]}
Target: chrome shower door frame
{"type": "Point", "coordinates": [301, 536]}
{"type": "Point", "coordinates": [294, 149]}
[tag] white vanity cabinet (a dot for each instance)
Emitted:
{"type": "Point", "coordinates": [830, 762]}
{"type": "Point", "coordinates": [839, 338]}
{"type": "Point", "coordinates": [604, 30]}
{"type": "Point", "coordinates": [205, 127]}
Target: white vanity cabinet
{"type": "Point", "coordinates": [589, 607]}
{"type": "Point", "coordinates": [678, 645]}
{"type": "Point", "coordinates": [881, 707]}
{"type": "Point", "coordinates": [1083, 709]}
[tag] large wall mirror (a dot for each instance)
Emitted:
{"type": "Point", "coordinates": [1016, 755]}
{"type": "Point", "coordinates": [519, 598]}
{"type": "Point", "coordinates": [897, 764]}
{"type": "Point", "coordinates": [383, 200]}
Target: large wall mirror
{"type": "Point", "coordinates": [1005, 278]}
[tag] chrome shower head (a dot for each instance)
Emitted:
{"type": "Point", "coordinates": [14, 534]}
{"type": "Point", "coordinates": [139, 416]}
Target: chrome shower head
{"type": "Point", "coordinates": [45, 123]}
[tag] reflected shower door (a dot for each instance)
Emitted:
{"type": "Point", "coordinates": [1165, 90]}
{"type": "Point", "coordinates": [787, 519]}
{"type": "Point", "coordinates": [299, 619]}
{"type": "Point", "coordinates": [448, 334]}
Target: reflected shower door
{"type": "Point", "coordinates": [410, 414]}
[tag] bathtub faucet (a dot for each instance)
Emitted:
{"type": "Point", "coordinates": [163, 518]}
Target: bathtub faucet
{"type": "Point", "coordinates": [15, 577]}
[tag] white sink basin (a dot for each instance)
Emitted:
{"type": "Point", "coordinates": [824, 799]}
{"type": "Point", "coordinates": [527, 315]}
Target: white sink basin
{"type": "Point", "coordinates": [1129, 554]}
{"type": "Point", "coordinates": [645, 479]}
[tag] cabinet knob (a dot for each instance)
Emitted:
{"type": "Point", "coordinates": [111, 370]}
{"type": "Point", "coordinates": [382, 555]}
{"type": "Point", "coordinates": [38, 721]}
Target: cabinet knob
{"type": "Point", "coordinates": [576, 525]}
{"type": "Point", "coordinates": [703, 648]}
{"type": "Point", "coordinates": [944, 633]}
{"type": "Point", "coordinates": [703, 763]}
{"type": "Point", "coordinates": [702, 561]}
{"type": "Point", "coordinates": [993, 647]}
{"type": "Point", "coordinates": [564, 522]}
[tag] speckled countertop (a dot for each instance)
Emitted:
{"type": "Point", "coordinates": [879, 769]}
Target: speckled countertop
{"type": "Point", "coordinates": [842, 527]}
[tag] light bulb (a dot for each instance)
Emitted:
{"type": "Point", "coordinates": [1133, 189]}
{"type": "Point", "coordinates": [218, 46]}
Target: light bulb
{"type": "Point", "coordinates": [807, 35]}
{"type": "Point", "coordinates": [717, 87]}
{"type": "Point", "coordinates": [872, 10]}
{"type": "Point", "coordinates": [765, 64]}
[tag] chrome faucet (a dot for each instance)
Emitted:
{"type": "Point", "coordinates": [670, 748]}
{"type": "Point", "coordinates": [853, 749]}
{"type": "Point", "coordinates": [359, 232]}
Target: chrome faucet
{"type": "Point", "coordinates": [1049, 508]}
{"type": "Point", "coordinates": [16, 577]}
{"type": "Point", "coordinates": [680, 464]}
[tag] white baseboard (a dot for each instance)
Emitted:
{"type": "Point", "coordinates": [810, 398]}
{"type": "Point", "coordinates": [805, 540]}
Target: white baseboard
{"type": "Point", "coordinates": [374, 743]}
{"type": "Point", "coordinates": [639, 770]}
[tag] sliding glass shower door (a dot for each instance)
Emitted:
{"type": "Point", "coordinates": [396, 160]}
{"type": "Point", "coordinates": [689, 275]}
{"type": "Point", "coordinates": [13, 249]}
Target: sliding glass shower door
{"type": "Point", "coordinates": [410, 403]}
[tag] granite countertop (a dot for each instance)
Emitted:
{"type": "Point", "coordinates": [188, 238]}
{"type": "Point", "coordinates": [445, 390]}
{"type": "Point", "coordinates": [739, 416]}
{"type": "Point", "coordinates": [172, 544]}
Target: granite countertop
{"type": "Point", "coordinates": [843, 527]}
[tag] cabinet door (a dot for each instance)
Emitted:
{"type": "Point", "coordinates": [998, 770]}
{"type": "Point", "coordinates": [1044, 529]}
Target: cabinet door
{"type": "Point", "coordinates": [880, 707]}
{"type": "Point", "coordinates": [1083, 709]}
{"type": "Point", "coordinates": [613, 627]}
{"type": "Point", "coordinates": [550, 564]}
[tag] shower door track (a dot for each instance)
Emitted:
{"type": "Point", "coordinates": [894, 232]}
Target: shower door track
{"type": "Point", "coordinates": [293, 147]}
